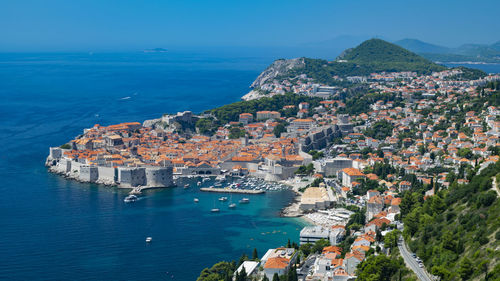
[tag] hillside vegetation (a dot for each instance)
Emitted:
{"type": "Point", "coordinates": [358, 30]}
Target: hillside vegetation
{"type": "Point", "coordinates": [456, 232]}
{"type": "Point", "coordinates": [230, 112]}
{"type": "Point", "coordinates": [379, 55]}
{"type": "Point", "coordinates": [373, 55]}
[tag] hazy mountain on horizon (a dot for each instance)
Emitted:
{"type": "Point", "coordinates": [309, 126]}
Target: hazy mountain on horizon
{"type": "Point", "coordinates": [419, 46]}
{"type": "Point", "coordinates": [464, 52]}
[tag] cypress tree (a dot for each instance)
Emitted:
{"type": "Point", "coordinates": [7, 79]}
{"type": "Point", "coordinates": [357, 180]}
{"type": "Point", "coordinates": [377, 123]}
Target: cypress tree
{"type": "Point", "coordinates": [255, 256]}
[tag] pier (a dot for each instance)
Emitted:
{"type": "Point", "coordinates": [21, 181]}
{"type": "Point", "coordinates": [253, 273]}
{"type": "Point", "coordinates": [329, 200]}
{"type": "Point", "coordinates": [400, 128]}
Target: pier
{"type": "Point", "coordinates": [232, 190]}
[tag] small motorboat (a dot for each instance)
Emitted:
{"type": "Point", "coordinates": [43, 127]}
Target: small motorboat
{"type": "Point", "coordinates": [196, 200]}
{"type": "Point", "coordinates": [215, 210]}
{"type": "Point", "coordinates": [223, 199]}
{"type": "Point", "coordinates": [232, 205]}
{"type": "Point", "coordinates": [244, 201]}
{"type": "Point", "coordinates": [186, 185]}
{"type": "Point", "coordinates": [199, 183]}
{"type": "Point", "coordinates": [131, 198]}
{"type": "Point", "coordinates": [149, 239]}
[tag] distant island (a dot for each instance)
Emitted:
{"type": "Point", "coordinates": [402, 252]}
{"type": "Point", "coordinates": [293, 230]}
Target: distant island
{"type": "Point", "coordinates": [155, 50]}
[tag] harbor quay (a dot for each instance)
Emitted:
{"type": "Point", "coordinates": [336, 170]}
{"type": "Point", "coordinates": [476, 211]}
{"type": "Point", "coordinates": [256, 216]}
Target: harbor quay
{"type": "Point", "coordinates": [227, 190]}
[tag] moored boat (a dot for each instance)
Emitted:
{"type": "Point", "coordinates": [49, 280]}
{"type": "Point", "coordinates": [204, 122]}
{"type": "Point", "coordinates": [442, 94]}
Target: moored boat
{"type": "Point", "coordinates": [131, 198]}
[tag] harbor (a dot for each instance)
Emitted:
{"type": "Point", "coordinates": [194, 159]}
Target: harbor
{"type": "Point", "coordinates": [232, 190]}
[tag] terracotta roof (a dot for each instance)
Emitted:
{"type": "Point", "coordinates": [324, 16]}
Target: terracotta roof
{"type": "Point", "coordinates": [277, 262]}
{"type": "Point", "coordinates": [353, 172]}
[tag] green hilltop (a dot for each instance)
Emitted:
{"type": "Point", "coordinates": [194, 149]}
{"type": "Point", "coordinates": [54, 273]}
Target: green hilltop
{"type": "Point", "coordinates": [374, 55]}
{"type": "Point", "coordinates": [379, 55]}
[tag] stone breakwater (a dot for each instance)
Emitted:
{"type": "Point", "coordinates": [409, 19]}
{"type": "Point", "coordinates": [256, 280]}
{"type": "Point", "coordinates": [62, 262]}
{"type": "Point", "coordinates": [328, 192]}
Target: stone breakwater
{"type": "Point", "coordinates": [123, 177]}
{"type": "Point", "coordinates": [232, 190]}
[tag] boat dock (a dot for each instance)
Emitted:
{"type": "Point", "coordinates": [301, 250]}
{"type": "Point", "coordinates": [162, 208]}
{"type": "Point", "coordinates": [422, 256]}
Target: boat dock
{"type": "Point", "coordinates": [232, 190]}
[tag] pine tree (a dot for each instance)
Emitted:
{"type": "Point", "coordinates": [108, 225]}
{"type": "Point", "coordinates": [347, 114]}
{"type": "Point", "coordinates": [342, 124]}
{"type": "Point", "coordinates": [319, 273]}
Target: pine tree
{"type": "Point", "coordinates": [255, 256]}
{"type": "Point", "coordinates": [243, 258]}
{"type": "Point", "coordinates": [276, 277]}
{"type": "Point", "coordinates": [242, 276]}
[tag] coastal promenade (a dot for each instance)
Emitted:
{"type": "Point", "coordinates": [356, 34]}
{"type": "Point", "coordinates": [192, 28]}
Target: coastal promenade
{"type": "Point", "coordinates": [231, 190]}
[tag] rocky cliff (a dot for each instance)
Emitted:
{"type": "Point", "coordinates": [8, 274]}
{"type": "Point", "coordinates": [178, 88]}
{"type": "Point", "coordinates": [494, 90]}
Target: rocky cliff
{"type": "Point", "coordinates": [277, 68]}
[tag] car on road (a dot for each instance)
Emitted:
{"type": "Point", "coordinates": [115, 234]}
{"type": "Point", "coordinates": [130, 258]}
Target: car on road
{"type": "Point", "coordinates": [414, 255]}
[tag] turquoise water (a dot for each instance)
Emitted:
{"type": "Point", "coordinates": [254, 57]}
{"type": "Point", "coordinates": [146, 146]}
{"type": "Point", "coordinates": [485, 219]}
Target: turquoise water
{"type": "Point", "coordinates": [57, 229]}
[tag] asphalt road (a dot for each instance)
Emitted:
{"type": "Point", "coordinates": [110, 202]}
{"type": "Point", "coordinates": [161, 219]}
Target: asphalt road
{"type": "Point", "coordinates": [306, 267]}
{"type": "Point", "coordinates": [412, 263]}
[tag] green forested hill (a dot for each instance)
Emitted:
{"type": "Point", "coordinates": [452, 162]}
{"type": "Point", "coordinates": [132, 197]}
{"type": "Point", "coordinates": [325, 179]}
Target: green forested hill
{"type": "Point", "coordinates": [373, 55]}
{"type": "Point", "coordinates": [379, 55]}
{"type": "Point", "coordinates": [457, 232]}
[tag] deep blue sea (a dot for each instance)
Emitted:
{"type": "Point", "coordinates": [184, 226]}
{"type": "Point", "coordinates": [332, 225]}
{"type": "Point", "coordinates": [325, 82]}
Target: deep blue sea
{"type": "Point", "coordinates": [55, 229]}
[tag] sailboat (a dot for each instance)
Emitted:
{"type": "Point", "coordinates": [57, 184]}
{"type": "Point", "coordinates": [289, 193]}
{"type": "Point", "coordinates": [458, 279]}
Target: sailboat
{"type": "Point", "coordinates": [231, 204]}
{"type": "Point", "coordinates": [215, 210]}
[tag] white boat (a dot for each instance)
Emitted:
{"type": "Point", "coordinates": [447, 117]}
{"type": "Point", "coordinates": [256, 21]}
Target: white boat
{"type": "Point", "coordinates": [196, 200]}
{"type": "Point", "coordinates": [232, 205]}
{"type": "Point", "coordinates": [223, 199]}
{"type": "Point", "coordinates": [149, 239]}
{"type": "Point", "coordinates": [199, 183]}
{"type": "Point", "coordinates": [186, 185]}
{"type": "Point", "coordinates": [215, 210]}
{"type": "Point", "coordinates": [131, 198]}
{"type": "Point", "coordinates": [244, 201]}
{"type": "Point", "coordinates": [206, 179]}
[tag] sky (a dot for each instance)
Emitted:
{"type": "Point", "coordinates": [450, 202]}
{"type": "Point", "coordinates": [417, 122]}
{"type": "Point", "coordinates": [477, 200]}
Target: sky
{"type": "Point", "coordinates": [65, 25]}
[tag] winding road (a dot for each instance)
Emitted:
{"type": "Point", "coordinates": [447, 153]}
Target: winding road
{"type": "Point", "coordinates": [412, 263]}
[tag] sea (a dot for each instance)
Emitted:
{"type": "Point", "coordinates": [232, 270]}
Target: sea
{"type": "Point", "coordinates": [52, 228]}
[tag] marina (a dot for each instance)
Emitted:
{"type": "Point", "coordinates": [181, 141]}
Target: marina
{"type": "Point", "coordinates": [230, 190]}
